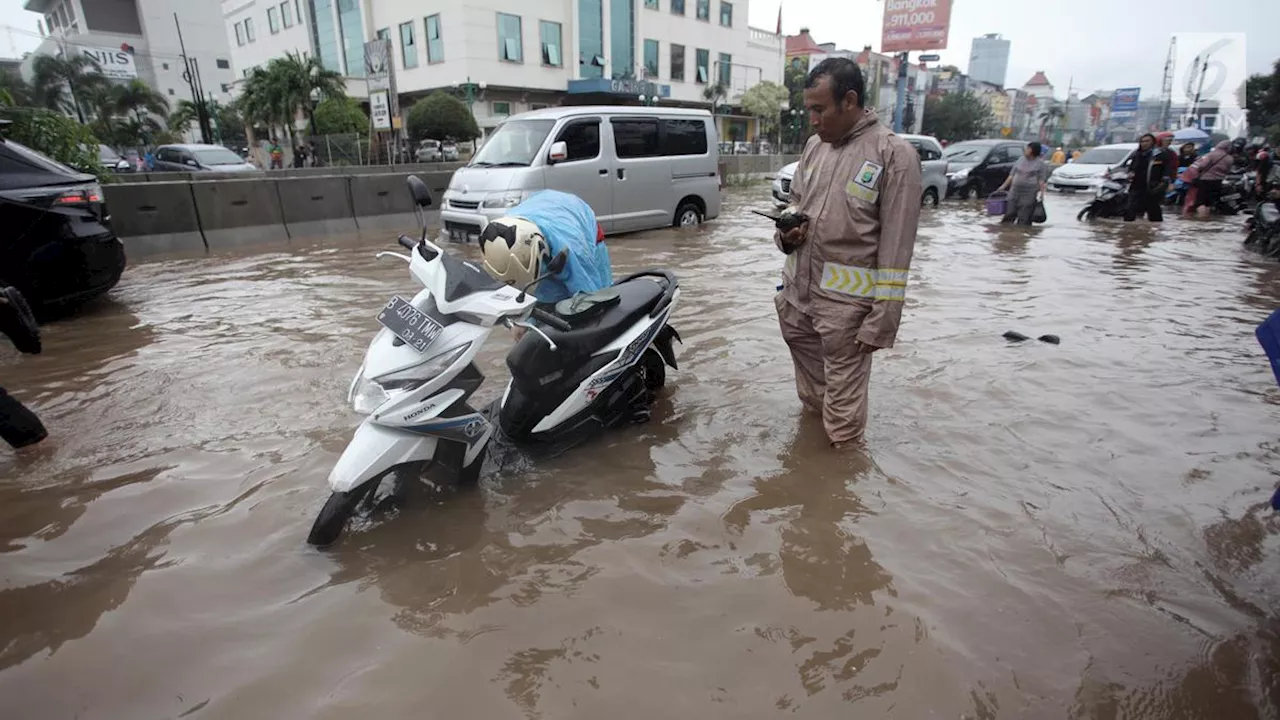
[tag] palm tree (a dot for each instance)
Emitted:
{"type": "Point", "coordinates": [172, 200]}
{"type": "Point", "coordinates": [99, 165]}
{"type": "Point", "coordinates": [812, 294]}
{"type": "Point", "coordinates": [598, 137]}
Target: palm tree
{"type": "Point", "coordinates": [137, 98]}
{"type": "Point", "coordinates": [307, 77]}
{"type": "Point", "coordinates": [274, 95]}
{"type": "Point", "coordinates": [183, 115]}
{"type": "Point", "coordinates": [715, 94]}
{"type": "Point", "coordinates": [1051, 117]}
{"type": "Point", "coordinates": [59, 83]}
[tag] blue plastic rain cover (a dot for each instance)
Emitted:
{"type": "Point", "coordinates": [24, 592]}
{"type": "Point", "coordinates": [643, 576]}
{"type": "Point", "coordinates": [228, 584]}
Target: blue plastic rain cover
{"type": "Point", "coordinates": [568, 223]}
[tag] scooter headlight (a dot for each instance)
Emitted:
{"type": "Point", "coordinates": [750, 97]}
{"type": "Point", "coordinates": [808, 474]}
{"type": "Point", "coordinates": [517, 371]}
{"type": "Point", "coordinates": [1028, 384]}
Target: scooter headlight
{"type": "Point", "coordinates": [367, 395]}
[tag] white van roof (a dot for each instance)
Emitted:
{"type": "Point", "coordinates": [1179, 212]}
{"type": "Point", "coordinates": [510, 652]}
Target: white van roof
{"type": "Point", "coordinates": [556, 113]}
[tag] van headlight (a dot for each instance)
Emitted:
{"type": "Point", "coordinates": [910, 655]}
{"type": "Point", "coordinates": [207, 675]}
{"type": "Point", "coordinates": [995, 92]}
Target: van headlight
{"type": "Point", "coordinates": [504, 200]}
{"type": "Point", "coordinates": [960, 174]}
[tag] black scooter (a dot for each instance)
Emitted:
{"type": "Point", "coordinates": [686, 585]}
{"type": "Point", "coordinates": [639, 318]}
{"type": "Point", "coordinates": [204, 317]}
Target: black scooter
{"type": "Point", "coordinates": [1110, 198]}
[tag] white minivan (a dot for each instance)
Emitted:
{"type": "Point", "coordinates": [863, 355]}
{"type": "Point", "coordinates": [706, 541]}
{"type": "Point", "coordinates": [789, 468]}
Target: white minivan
{"type": "Point", "coordinates": [638, 168]}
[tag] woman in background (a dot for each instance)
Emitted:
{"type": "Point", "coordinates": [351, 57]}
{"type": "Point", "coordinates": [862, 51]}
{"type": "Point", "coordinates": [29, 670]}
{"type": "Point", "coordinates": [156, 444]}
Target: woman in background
{"type": "Point", "coordinates": [1027, 181]}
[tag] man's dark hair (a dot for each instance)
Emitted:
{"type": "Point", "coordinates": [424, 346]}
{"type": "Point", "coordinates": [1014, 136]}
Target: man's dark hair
{"type": "Point", "coordinates": [845, 76]}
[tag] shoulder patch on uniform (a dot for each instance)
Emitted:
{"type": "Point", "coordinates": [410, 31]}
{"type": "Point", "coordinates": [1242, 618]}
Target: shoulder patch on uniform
{"type": "Point", "coordinates": [868, 175]}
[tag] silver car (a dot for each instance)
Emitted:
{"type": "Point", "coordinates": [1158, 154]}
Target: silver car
{"type": "Point", "coordinates": [932, 166]}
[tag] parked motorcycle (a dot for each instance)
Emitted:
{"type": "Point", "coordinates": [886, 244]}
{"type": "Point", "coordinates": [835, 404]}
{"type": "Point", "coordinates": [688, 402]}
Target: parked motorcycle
{"type": "Point", "coordinates": [1263, 229]}
{"type": "Point", "coordinates": [1237, 189]}
{"type": "Point", "coordinates": [1109, 199]}
{"type": "Point", "coordinates": [593, 361]}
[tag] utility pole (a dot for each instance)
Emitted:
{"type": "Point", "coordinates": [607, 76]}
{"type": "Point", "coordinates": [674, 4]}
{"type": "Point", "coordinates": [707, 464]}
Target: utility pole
{"type": "Point", "coordinates": [903, 59]}
{"type": "Point", "coordinates": [192, 81]}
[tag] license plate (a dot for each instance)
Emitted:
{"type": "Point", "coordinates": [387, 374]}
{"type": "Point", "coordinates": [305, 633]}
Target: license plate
{"type": "Point", "coordinates": [416, 328]}
{"type": "Point", "coordinates": [458, 236]}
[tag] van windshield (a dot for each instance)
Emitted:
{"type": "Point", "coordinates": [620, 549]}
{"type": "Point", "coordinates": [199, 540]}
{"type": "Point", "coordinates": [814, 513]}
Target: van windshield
{"type": "Point", "coordinates": [515, 143]}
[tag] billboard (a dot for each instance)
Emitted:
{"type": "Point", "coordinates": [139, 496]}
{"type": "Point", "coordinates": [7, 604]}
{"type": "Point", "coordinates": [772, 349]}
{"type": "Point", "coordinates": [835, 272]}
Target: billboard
{"type": "Point", "coordinates": [377, 64]}
{"type": "Point", "coordinates": [1124, 103]}
{"type": "Point", "coordinates": [915, 25]}
{"type": "Point", "coordinates": [114, 62]}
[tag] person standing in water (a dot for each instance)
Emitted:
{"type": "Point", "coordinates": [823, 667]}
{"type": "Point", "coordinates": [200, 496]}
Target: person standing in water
{"type": "Point", "coordinates": [1027, 179]}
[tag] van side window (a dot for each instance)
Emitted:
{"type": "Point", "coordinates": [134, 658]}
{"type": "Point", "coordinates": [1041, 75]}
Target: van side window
{"type": "Point", "coordinates": [168, 155]}
{"type": "Point", "coordinates": [582, 138]}
{"type": "Point", "coordinates": [684, 137]}
{"type": "Point", "coordinates": [636, 138]}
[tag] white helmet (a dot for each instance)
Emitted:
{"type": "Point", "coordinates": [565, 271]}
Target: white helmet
{"type": "Point", "coordinates": [513, 250]}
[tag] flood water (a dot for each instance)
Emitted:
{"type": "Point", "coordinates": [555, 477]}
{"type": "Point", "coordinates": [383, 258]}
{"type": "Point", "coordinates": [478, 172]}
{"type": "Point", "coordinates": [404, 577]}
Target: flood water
{"type": "Point", "coordinates": [1033, 531]}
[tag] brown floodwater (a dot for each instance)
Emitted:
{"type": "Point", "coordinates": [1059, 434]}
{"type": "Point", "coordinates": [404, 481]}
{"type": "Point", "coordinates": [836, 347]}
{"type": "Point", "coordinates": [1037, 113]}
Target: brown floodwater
{"type": "Point", "coordinates": [1032, 531]}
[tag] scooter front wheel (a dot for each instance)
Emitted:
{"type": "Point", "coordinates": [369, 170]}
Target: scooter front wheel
{"type": "Point", "coordinates": [333, 517]}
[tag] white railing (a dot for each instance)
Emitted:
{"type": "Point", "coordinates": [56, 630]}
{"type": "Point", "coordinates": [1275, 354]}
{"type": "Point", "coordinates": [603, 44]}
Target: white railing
{"type": "Point", "coordinates": [764, 37]}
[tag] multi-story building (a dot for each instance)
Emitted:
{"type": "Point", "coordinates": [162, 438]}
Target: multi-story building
{"type": "Point", "coordinates": [1039, 87]}
{"type": "Point", "coordinates": [880, 73]}
{"type": "Point", "coordinates": [517, 55]}
{"type": "Point", "coordinates": [989, 59]}
{"type": "Point", "coordinates": [140, 39]}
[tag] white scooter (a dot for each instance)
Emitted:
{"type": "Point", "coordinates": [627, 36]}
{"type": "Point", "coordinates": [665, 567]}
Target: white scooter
{"type": "Point", "coordinates": [596, 360]}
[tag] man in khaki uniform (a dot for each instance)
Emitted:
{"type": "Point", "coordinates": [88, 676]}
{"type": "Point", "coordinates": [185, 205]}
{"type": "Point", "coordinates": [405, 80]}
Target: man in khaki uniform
{"type": "Point", "coordinates": [846, 269]}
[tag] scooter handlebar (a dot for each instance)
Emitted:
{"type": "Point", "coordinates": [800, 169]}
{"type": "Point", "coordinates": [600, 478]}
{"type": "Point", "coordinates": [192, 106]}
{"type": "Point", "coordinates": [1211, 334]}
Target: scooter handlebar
{"type": "Point", "coordinates": [547, 318]}
{"type": "Point", "coordinates": [406, 242]}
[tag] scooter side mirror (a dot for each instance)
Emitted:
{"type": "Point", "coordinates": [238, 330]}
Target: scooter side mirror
{"type": "Point", "coordinates": [420, 192]}
{"type": "Point", "coordinates": [558, 262]}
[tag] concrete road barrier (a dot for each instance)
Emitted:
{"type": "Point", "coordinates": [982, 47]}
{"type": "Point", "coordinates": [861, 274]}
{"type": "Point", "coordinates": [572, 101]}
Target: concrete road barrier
{"type": "Point", "coordinates": [319, 205]}
{"type": "Point", "coordinates": [382, 202]}
{"type": "Point", "coordinates": [239, 212]}
{"type": "Point", "coordinates": [155, 218]}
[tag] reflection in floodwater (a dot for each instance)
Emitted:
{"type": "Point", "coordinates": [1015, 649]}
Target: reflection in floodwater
{"type": "Point", "coordinates": [1030, 531]}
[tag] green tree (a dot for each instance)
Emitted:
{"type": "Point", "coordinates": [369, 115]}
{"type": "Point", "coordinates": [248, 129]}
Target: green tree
{"type": "Point", "coordinates": [273, 96]}
{"type": "Point", "coordinates": [183, 117]}
{"type": "Point", "coordinates": [54, 134]}
{"type": "Point", "coordinates": [138, 98]}
{"type": "Point", "coordinates": [340, 116]}
{"type": "Point", "coordinates": [764, 100]}
{"type": "Point", "coordinates": [1262, 103]}
{"type": "Point", "coordinates": [443, 117]}
{"type": "Point", "coordinates": [17, 91]}
{"type": "Point", "coordinates": [231, 125]}
{"type": "Point", "coordinates": [956, 116]}
{"type": "Point", "coordinates": [715, 94]}
{"type": "Point", "coordinates": [61, 83]}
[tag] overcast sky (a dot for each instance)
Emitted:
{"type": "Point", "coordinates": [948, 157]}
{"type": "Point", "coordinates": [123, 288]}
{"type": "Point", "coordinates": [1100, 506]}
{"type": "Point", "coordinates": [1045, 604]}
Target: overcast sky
{"type": "Point", "coordinates": [1102, 44]}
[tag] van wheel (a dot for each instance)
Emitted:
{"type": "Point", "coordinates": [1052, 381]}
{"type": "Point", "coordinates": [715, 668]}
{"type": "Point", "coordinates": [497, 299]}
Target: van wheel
{"type": "Point", "coordinates": [930, 197]}
{"type": "Point", "coordinates": [688, 215]}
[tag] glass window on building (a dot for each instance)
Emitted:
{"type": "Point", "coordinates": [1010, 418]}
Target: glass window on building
{"type": "Point", "coordinates": [248, 29]}
{"type": "Point", "coordinates": [651, 58]}
{"type": "Point", "coordinates": [297, 10]}
{"type": "Point", "coordinates": [501, 108]}
{"type": "Point", "coordinates": [239, 33]}
{"type": "Point", "coordinates": [435, 43]}
{"type": "Point", "coordinates": [286, 13]}
{"type": "Point", "coordinates": [726, 13]}
{"type": "Point", "coordinates": [701, 62]}
{"type": "Point", "coordinates": [622, 38]}
{"type": "Point", "coordinates": [273, 20]}
{"type": "Point", "coordinates": [591, 38]}
{"type": "Point", "coordinates": [704, 10]}
{"type": "Point", "coordinates": [324, 34]}
{"type": "Point", "coordinates": [651, 4]}
{"type": "Point", "coordinates": [510, 38]}
{"type": "Point", "coordinates": [726, 69]}
{"type": "Point", "coordinates": [384, 34]}
{"type": "Point", "coordinates": [351, 26]}
{"type": "Point", "coordinates": [677, 7]}
{"type": "Point", "coordinates": [408, 46]}
{"type": "Point", "coordinates": [677, 62]}
{"type": "Point", "coordinates": [549, 35]}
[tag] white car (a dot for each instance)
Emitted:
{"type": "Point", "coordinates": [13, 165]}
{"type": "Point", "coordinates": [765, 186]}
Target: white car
{"type": "Point", "coordinates": [781, 189]}
{"type": "Point", "coordinates": [1090, 169]}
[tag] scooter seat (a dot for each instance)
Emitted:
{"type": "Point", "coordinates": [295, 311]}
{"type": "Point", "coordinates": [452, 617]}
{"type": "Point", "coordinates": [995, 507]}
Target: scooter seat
{"type": "Point", "coordinates": [531, 359]}
{"type": "Point", "coordinates": [635, 299]}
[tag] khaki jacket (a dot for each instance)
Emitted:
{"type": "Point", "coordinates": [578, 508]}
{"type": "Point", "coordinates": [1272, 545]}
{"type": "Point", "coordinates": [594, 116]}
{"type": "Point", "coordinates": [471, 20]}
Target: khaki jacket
{"type": "Point", "coordinates": [863, 195]}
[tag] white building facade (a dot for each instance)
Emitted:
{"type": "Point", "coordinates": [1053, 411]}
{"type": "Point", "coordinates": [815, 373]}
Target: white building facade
{"type": "Point", "coordinates": [104, 28]}
{"type": "Point", "coordinates": [518, 55]}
